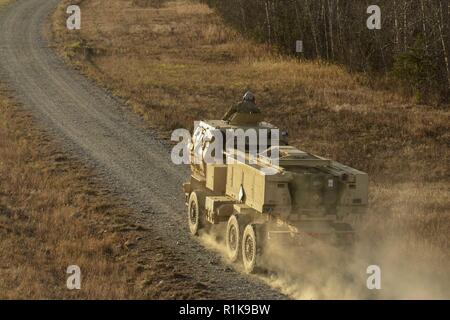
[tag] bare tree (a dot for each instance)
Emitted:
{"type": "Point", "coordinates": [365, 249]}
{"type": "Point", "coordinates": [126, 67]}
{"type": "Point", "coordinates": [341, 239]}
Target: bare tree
{"type": "Point", "coordinates": [415, 34]}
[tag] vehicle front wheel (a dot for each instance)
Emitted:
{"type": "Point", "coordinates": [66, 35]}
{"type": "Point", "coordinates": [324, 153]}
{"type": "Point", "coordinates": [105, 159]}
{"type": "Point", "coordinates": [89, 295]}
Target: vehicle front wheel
{"type": "Point", "coordinates": [195, 208]}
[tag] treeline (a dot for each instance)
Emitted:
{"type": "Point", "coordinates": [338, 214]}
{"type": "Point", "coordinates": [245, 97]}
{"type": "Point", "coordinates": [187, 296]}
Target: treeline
{"type": "Point", "coordinates": [413, 44]}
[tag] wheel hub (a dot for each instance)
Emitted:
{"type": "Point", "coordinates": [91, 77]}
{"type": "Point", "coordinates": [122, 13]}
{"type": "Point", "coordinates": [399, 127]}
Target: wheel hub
{"type": "Point", "coordinates": [193, 213]}
{"type": "Point", "coordinates": [232, 238]}
{"type": "Point", "coordinates": [249, 248]}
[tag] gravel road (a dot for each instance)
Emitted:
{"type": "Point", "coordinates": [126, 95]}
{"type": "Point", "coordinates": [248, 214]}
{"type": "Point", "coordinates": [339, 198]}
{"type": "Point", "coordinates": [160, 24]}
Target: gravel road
{"type": "Point", "coordinates": [98, 128]}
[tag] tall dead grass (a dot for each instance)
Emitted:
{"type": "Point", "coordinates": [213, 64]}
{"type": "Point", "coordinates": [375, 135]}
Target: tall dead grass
{"type": "Point", "coordinates": [49, 219]}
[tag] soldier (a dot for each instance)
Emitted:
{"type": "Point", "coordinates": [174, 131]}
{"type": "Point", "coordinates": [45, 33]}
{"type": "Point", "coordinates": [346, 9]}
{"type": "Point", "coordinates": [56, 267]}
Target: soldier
{"type": "Point", "coordinates": [248, 105]}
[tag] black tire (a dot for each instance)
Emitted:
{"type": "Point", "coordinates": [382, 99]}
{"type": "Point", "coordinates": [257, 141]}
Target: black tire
{"type": "Point", "coordinates": [252, 243]}
{"type": "Point", "coordinates": [196, 219]}
{"type": "Point", "coordinates": [233, 238]}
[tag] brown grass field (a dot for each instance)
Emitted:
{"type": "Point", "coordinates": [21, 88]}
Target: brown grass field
{"type": "Point", "coordinates": [54, 212]}
{"type": "Point", "coordinates": [176, 62]}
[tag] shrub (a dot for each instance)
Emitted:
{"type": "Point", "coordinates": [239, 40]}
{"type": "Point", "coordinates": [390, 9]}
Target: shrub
{"type": "Point", "coordinates": [417, 69]}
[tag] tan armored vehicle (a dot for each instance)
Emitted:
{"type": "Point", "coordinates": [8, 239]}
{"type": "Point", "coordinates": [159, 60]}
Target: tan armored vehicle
{"type": "Point", "coordinates": [293, 195]}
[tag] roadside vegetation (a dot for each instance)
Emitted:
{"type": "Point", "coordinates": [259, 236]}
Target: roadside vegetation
{"type": "Point", "coordinates": [54, 212]}
{"type": "Point", "coordinates": [175, 62]}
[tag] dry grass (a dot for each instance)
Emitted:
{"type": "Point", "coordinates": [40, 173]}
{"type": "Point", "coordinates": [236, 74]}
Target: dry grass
{"type": "Point", "coordinates": [55, 213]}
{"type": "Point", "coordinates": [178, 63]}
{"type": "Point", "coordinates": [45, 226]}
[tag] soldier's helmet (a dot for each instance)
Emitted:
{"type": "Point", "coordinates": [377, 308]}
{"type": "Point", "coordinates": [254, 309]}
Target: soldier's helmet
{"type": "Point", "coordinates": [250, 97]}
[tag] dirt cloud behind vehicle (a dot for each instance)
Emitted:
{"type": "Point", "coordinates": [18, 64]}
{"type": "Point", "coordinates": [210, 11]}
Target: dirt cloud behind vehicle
{"type": "Point", "coordinates": [318, 271]}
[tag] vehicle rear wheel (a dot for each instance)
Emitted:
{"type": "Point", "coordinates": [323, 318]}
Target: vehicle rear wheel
{"type": "Point", "coordinates": [233, 238]}
{"type": "Point", "coordinates": [251, 248]}
{"type": "Point", "coordinates": [195, 211]}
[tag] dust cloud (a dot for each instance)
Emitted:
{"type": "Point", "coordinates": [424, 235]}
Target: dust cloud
{"type": "Point", "coordinates": [319, 271]}
{"type": "Point", "coordinates": [316, 270]}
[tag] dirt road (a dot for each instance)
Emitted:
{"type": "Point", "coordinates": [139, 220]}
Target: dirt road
{"type": "Point", "coordinates": [97, 127]}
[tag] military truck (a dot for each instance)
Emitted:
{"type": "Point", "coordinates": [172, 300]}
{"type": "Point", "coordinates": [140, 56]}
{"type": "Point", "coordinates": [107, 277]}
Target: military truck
{"type": "Point", "coordinates": [304, 196]}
